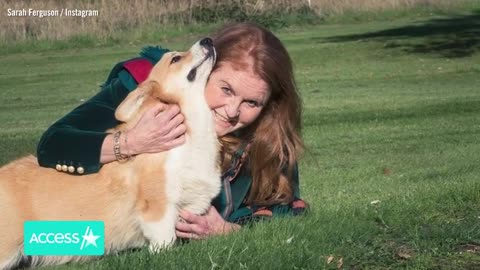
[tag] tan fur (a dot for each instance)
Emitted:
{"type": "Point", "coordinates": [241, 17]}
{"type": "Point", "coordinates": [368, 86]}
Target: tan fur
{"type": "Point", "coordinates": [129, 196]}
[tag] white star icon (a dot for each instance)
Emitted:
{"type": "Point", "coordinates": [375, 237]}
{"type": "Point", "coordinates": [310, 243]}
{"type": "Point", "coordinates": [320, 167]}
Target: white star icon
{"type": "Point", "coordinates": [89, 238]}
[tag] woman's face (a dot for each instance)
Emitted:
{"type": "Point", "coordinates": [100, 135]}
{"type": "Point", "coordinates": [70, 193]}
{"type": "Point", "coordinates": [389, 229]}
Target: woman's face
{"type": "Point", "coordinates": [236, 97]}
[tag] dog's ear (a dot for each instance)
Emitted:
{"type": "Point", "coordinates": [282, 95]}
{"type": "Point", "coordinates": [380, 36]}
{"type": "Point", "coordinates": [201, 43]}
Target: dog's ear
{"type": "Point", "coordinates": [134, 101]}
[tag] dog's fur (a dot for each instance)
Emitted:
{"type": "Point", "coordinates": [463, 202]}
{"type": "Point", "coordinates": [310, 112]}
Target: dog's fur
{"type": "Point", "coordinates": [138, 200]}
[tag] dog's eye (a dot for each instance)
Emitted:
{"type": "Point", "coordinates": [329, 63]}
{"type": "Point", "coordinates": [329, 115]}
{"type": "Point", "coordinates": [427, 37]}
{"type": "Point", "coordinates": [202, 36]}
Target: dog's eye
{"type": "Point", "coordinates": [175, 59]}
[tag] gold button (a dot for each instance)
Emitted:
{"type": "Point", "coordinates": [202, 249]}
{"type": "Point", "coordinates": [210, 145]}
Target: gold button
{"type": "Point", "coordinates": [71, 169]}
{"type": "Point", "coordinates": [64, 168]}
{"type": "Point", "coordinates": [58, 167]}
{"type": "Point", "coordinates": [80, 170]}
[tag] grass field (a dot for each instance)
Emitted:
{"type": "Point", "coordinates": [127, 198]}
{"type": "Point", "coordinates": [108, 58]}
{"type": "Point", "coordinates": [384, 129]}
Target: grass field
{"type": "Point", "coordinates": [392, 127]}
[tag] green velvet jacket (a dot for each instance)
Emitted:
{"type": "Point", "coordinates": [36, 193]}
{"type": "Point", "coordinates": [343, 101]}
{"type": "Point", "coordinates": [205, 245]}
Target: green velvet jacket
{"type": "Point", "coordinates": [76, 140]}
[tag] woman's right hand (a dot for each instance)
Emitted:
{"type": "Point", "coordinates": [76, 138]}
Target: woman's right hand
{"type": "Point", "coordinates": [159, 129]}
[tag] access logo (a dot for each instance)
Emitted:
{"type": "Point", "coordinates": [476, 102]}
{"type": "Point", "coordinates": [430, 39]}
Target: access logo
{"type": "Point", "coordinates": [64, 238]}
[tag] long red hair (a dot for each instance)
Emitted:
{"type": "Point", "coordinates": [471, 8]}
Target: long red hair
{"type": "Point", "coordinates": [274, 139]}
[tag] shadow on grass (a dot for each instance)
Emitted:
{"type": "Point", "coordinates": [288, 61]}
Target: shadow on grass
{"type": "Point", "coordinates": [455, 36]}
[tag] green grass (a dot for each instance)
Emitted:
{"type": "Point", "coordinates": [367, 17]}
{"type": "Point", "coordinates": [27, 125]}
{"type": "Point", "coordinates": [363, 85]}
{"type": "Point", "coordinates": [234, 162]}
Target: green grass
{"type": "Point", "coordinates": [389, 123]}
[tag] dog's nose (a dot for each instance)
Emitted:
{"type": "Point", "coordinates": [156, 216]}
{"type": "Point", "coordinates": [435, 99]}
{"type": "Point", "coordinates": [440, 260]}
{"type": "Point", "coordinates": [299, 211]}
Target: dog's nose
{"type": "Point", "coordinates": [207, 42]}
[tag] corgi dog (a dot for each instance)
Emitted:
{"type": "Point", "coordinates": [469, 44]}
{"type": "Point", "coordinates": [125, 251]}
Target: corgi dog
{"type": "Point", "coordinates": [138, 200]}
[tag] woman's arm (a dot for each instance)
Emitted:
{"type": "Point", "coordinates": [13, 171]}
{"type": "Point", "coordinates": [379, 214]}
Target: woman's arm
{"type": "Point", "coordinates": [76, 139]}
{"type": "Point", "coordinates": [247, 214]}
{"type": "Point", "coordinates": [160, 129]}
{"type": "Point", "coordinates": [212, 223]}
{"type": "Point", "coordinates": [79, 138]}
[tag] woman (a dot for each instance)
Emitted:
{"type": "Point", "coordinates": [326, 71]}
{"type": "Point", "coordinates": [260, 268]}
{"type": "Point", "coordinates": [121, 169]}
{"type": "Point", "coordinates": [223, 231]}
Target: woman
{"type": "Point", "coordinates": [253, 96]}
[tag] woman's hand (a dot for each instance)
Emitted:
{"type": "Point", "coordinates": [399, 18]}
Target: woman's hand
{"type": "Point", "coordinates": [199, 227]}
{"type": "Point", "coordinates": [159, 129]}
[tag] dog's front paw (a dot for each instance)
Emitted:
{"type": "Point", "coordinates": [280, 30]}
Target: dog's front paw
{"type": "Point", "coordinates": [156, 246]}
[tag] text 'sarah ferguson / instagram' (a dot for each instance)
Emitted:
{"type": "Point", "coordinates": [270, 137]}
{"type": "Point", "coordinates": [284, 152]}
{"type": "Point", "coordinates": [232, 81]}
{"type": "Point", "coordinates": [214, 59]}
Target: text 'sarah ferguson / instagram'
{"type": "Point", "coordinates": [42, 13]}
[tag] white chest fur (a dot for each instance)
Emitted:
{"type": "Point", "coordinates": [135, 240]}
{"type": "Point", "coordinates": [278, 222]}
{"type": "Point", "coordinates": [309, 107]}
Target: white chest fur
{"type": "Point", "coordinates": [193, 175]}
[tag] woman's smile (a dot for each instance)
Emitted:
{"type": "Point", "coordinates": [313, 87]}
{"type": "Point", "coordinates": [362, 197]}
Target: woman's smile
{"type": "Point", "coordinates": [223, 121]}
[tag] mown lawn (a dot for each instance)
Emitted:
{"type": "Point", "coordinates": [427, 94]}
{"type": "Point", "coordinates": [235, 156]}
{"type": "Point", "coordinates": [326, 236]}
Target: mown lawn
{"type": "Point", "coordinates": [392, 128]}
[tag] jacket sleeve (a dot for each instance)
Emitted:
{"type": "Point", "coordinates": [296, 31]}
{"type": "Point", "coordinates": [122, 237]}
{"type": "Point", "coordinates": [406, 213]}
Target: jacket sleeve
{"type": "Point", "coordinates": [247, 215]}
{"type": "Point", "coordinates": [77, 138]}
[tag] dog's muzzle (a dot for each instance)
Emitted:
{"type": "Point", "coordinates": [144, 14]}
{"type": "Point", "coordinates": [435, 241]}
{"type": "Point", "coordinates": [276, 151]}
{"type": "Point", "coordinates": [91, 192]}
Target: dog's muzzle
{"type": "Point", "coordinates": [207, 44]}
